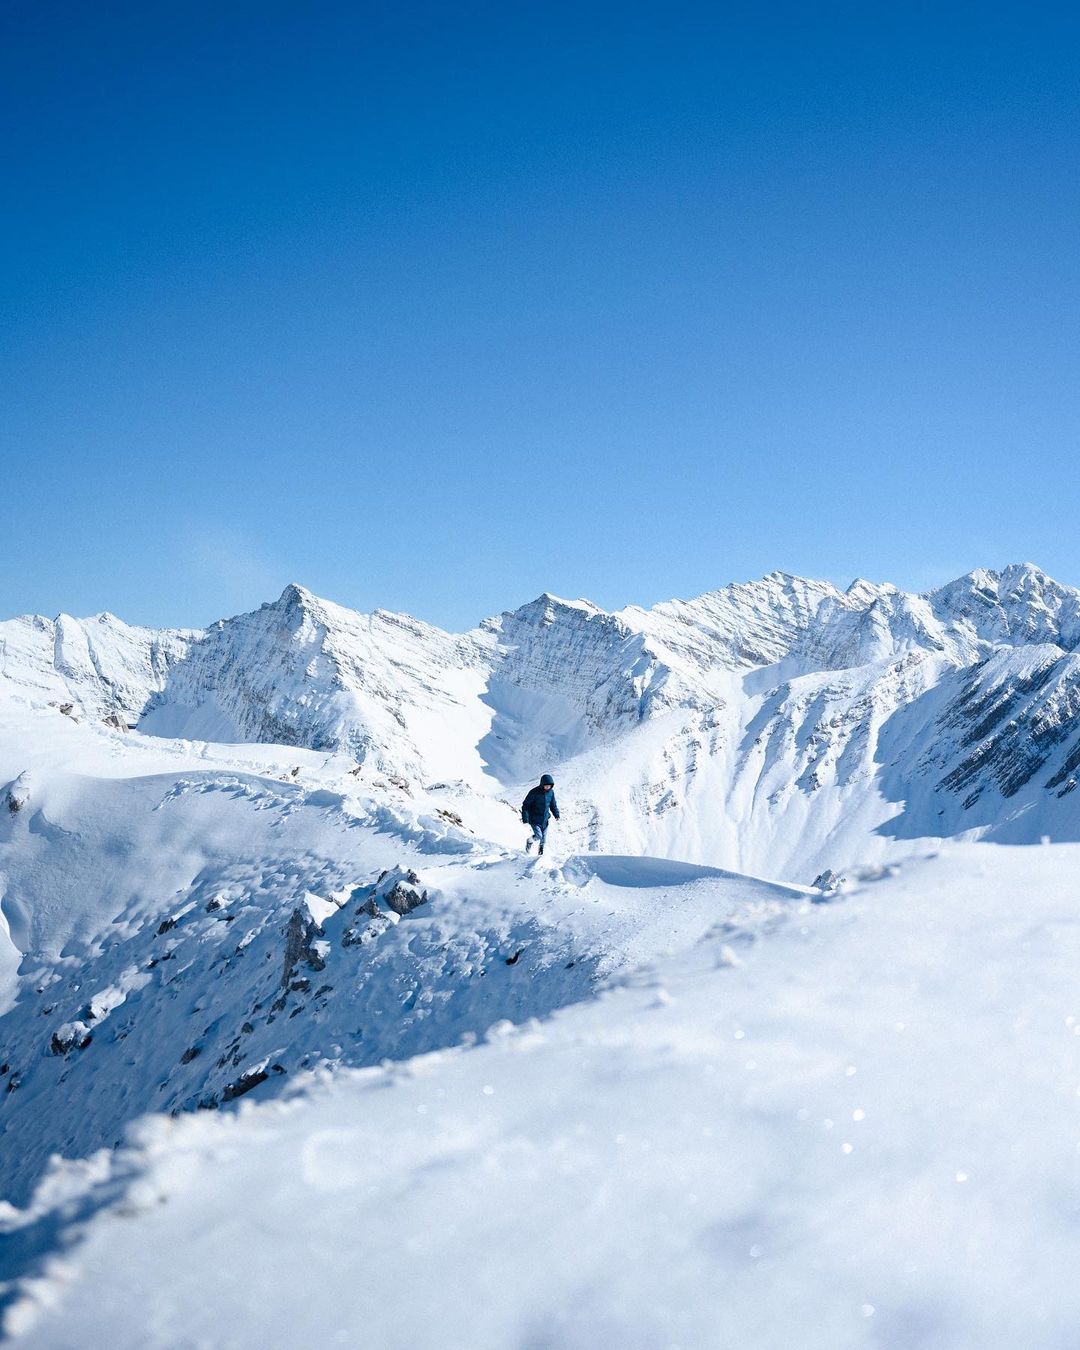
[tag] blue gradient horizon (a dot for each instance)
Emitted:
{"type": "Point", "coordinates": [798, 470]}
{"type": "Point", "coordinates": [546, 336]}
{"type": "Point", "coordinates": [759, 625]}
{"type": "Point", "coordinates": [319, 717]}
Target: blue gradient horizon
{"type": "Point", "coordinates": [436, 307]}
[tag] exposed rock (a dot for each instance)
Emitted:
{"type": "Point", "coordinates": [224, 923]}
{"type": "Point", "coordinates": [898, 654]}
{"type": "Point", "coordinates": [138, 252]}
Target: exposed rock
{"type": "Point", "coordinates": [400, 890]}
{"type": "Point", "coordinates": [301, 934]}
{"type": "Point", "coordinates": [251, 1079]}
{"type": "Point", "coordinates": [828, 882]}
{"type": "Point", "coordinates": [17, 793]}
{"type": "Point", "coordinates": [377, 922]}
{"type": "Point", "coordinates": [71, 1036]}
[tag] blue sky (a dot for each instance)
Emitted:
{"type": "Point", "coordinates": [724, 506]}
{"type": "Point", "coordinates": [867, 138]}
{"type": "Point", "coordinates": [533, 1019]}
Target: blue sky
{"type": "Point", "coordinates": [434, 307]}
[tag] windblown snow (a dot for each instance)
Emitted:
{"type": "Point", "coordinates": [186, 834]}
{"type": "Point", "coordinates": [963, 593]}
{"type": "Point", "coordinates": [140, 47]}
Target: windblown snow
{"type": "Point", "coordinates": [625, 1094]}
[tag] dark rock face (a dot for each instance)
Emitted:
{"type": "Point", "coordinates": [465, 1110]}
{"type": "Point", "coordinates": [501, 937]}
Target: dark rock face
{"type": "Point", "coordinates": [1007, 728]}
{"type": "Point", "coordinates": [405, 895]}
{"type": "Point", "coordinates": [300, 933]}
{"type": "Point", "coordinates": [17, 794]}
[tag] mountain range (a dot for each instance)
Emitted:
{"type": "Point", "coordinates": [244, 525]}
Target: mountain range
{"type": "Point", "coordinates": [781, 726]}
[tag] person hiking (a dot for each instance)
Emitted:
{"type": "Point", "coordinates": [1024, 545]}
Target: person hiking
{"type": "Point", "coordinates": [538, 806]}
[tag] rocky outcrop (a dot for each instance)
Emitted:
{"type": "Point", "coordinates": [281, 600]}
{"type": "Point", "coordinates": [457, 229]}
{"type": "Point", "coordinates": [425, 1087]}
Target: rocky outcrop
{"type": "Point", "coordinates": [302, 947]}
{"type": "Point", "coordinates": [400, 891]}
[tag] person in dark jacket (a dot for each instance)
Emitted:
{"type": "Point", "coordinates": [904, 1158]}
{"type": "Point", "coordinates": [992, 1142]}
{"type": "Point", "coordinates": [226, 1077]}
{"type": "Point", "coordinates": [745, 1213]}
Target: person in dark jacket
{"type": "Point", "coordinates": [538, 806]}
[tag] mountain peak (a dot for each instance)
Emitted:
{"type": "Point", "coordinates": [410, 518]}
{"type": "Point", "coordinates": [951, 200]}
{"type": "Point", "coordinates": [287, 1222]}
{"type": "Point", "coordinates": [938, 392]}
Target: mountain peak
{"type": "Point", "coordinates": [867, 593]}
{"type": "Point", "coordinates": [549, 606]}
{"type": "Point", "coordinates": [295, 594]}
{"type": "Point", "coordinates": [1025, 574]}
{"type": "Point", "coordinates": [1015, 577]}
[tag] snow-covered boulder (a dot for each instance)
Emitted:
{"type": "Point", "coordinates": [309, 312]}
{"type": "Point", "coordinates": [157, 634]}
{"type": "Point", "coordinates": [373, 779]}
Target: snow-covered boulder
{"type": "Point", "coordinates": [70, 1036]}
{"type": "Point", "coordinates": [17, 793]}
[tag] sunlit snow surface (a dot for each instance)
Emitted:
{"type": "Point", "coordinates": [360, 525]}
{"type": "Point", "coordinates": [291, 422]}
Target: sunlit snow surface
{"type": "Point", "coordinates": [412, 1088]}
{"type": "Point", "coordinates": [863, 1130]}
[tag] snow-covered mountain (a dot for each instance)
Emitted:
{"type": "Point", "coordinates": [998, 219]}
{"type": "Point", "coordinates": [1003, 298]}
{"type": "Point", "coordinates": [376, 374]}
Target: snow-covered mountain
{"type": "Point", "coordinates": [780, 727]}
{"type": "Point", "coordinates": [237, 863]}
{"type": "Point", "coordinates": [102, 667]}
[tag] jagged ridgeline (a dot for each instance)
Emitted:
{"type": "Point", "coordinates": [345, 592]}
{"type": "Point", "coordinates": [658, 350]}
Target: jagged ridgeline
{"type": "Point", "coordinates": [783, 726]}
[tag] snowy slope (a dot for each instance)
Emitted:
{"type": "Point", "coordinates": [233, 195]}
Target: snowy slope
{"type": "Point", "coordinates": [859, 1131]}
{"type": "Point", "coordinates": [176, 927]}
{"type": "Point", "coordinates": [239, 861]}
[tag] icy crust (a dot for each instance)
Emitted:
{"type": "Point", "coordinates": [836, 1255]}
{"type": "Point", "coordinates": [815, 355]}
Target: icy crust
{"type": "Point", "coordinates": [860, 1132]}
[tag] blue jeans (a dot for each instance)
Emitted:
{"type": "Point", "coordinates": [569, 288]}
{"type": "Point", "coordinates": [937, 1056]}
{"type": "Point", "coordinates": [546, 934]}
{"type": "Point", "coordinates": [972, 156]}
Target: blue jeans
{"type": "Point", "coordinates": [539, 833]}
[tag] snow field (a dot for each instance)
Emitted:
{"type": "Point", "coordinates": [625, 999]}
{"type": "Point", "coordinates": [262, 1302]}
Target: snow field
{"type": "Point", "coordinates": [866, 1133]}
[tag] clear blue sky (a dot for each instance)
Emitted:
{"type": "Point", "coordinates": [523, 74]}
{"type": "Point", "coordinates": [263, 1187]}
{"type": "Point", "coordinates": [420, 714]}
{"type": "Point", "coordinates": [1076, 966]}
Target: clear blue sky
{"type": "Point", "coordinates": [434, 307]}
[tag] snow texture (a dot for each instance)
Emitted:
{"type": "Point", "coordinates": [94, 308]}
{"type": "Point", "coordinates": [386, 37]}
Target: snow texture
{"type": "Point", "coordinates": [278, 982]}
